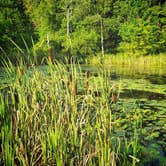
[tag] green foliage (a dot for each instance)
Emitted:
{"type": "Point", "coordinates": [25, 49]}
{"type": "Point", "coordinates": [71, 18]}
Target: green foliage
{"type": "Point", "coordinates": [85, 43]}
{"type": "Point", "coordinates": [14, 24]}
{"type": "Point", "coordinates": [83, 28]}
{"type": "Point", "coordinates": [143, 33]}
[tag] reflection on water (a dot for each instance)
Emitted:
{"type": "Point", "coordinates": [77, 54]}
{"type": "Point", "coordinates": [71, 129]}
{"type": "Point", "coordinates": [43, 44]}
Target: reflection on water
{"type": "Point", "coordinates": [155, 79]}
{"type": "Point", "coordinates": [139, 94]}
{"type": "Point", "coordinates": [132, 69]}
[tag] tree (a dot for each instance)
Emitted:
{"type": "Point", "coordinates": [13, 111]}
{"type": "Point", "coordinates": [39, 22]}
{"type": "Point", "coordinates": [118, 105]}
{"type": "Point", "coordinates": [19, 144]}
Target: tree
{"type": "Point", "coordinates": [140, 30]}
{"type": "Point", "coordinates": [83, 28]}
{"type": "Point", "coordinates": [14, 25]}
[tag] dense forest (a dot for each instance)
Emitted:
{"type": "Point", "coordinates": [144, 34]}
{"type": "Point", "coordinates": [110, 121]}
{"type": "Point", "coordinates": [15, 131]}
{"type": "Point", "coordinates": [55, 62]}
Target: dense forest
{"type": "Point", "coordinates": [81, 28]}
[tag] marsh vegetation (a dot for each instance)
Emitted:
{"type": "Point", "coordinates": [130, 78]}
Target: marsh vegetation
{"type": "Point", "coordinates": [57, 115]}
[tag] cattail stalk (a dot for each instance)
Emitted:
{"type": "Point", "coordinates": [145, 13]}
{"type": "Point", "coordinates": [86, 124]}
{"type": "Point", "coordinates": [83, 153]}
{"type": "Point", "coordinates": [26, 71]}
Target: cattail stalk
{"type": "Point", "coordinates": [27, 66]}
{"type": "Point", "coordinates": [51, 56]}
{"type": "Point", "coordinates": [70, 83]}
{"type": "Point", "coordinates": [75, 88]}
{"type": "Point", "coordinates": [87, 81]}
{"type": "Point", "coordinates": [20, 71]}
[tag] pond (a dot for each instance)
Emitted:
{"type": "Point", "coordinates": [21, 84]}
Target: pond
{"type": "Point", "coordinates": [143, 84]}
{"type": "Point", "coordinates": [142, 89]}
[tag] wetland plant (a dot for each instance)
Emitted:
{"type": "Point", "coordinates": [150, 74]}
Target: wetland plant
{"type": "Point", "coordinates": [54, 117]}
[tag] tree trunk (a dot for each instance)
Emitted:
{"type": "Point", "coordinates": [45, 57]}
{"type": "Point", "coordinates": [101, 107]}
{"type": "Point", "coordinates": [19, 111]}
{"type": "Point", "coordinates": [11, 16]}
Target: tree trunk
{"type": "Point", "coordinates": [102, 38]}
{"type": "Point", "coordinates": [69, 51]}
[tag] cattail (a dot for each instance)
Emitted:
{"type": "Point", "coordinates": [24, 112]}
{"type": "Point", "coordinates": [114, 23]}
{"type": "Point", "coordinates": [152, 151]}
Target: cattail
{"type": "Point", "coordinates": [20, 71]}
{"type": "Point", "coordinates": [70, 83]}
{"type": "Point", "coordinates": [75, 88]}
{"type": "Point", "coordinates": [20, 74]}
{"type": "Point", "coordinates": [27, 66]}
{"type": "Point", "coordinates": [87, 74]}
{"type": "Point", "coordinates": [51, 55]}
{"type": "Point", "coordinates": [114, 96]}
{"type": "Point", "coordinates": [87, 83]}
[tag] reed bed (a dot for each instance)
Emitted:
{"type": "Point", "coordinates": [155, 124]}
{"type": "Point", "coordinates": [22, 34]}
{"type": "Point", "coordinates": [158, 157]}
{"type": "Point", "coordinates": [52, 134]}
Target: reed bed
{"type": "Point", "coordinates": [62, 116]}
{"type": "Point", "coordinates": [133, 61]}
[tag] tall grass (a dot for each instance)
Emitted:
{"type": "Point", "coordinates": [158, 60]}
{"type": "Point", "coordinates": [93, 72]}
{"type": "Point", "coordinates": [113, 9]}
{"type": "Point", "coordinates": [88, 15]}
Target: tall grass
{"type": "Point", "coordinates": [44, 123]}
{"type": "Point", "coordinates": [134, 61]}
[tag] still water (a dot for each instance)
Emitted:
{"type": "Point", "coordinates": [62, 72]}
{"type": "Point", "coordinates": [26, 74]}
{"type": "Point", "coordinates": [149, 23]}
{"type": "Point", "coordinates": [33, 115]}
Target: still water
{"type": "Point", "coordinates": [142, 90]}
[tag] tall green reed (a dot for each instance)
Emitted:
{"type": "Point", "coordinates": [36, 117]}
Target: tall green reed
{"type": "Point", "coordinates": [50, 125]}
